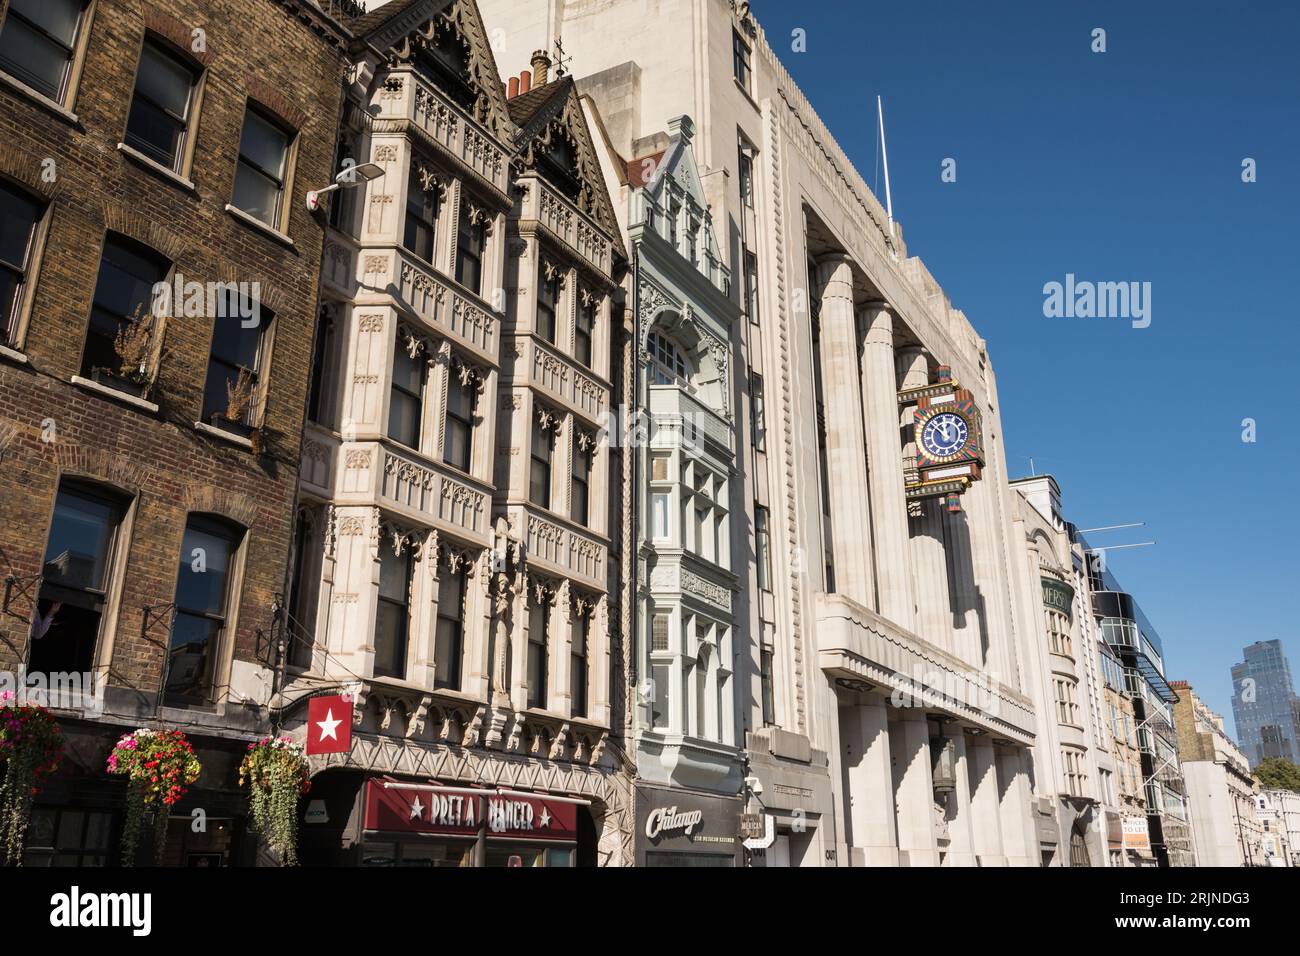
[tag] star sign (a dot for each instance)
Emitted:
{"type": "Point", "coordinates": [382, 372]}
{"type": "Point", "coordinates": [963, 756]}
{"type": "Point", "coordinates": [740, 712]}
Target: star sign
{"type": "Point", "coordinates": [417, 810]}
{"type": "Point", "coordinates": [545, 818]}
{"type": "Point", "coordinates": [327, 726]}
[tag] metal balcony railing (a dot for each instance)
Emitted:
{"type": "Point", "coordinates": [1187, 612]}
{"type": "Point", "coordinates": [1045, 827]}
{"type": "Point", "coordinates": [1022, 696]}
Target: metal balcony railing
{"type": "Point", "coordinates": [341, 10]}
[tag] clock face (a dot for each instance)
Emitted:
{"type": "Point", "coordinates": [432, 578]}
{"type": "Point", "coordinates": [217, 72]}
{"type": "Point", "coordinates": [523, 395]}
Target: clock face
{"type": "Point", "coordinates": [944, 435]}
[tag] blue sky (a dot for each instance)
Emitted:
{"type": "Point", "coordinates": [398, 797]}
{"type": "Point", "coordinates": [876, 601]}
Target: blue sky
{"type": "Point", "coordinates": [1116, 166]}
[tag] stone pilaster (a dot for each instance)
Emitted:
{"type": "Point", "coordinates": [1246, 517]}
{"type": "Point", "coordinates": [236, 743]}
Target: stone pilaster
{"type": "Point", "coordinates": [864, 730]}
{"type": "Point", "coordinates": [1018, 837]}
{"type": "Point", "coordinates": [909, 745]}
{"type": "Point", "coordinates": [845, 448]}
{"type": "Point", "coordinates": [985, 813]}
{"type": "Point", "coordinates": [885, 468]}
{"type": "Point", "coordinates": [961, 844]}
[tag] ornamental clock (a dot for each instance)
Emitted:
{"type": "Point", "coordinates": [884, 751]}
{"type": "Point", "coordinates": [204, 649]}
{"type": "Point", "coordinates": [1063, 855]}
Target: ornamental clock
{"type": "Point", "coordinates": [947, 437]}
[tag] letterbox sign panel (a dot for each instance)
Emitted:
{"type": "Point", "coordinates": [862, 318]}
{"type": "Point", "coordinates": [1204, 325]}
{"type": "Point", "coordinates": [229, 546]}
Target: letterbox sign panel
{"type": "Point", "coordinates": [457, 812]}
{"type": "Point", "coordinates": [674, 820]}
{"type": "Point", "coordinates": [1058, 596]}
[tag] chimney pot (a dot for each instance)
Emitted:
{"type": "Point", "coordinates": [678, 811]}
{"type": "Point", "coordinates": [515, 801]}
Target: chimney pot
{"type": "Point", "coordinates": [525, 81]}
{"type": "Point", "coordinates": [513, 89]}
{"type": "Point", "coordinates": [541, 67]}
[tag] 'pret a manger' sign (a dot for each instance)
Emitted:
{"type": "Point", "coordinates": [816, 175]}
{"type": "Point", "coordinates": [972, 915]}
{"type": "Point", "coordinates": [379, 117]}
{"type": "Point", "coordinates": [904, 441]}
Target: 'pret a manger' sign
{"type": "Point", "coordinates": [393, 806]}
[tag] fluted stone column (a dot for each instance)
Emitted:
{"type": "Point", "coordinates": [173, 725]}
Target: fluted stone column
{"type": "Point", "coordinates": [885, 468]}
{"type": "Point", "coordinates": [925, 524]}
{"type": "Point", "coordinates": [986, 822]}
{"type": "Point", "coordinates": [1013, 808]}
{"type": "Point", "coordinates": [864, 730]}
{"type": "Point", "coordinates": [961, 845]}
{"type": "Point", "coordinates": [845, 448]}
{"type": "Point", "coordinates": [909, 746]}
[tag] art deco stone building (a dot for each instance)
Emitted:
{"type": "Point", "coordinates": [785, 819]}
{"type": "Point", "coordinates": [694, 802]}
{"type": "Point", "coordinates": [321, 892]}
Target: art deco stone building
{"type": "Point", "coordinates": [145, 518]}
{"type": "Point", "coordinates": [459, 550]}
{"type": "Point", "coordinates": [884, 707]}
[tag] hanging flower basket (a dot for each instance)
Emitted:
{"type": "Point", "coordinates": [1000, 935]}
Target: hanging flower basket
{"type": "Point", "coordinates": [31, 748]}
{"type": "Point", "coordinates": [160, 766]}
{"type": "Point", "coordinates": [276, 771]}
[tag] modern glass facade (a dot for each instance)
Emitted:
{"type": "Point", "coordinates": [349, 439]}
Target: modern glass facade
{"type": "Point", "coordinates": [1264, 704]}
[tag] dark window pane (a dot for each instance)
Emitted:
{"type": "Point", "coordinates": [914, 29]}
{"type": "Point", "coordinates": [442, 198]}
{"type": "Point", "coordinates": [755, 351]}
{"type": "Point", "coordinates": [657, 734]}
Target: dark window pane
{"type": "Point", "coordinates": [390, 640]}
{"type": "Point", "coordinates": [256, 194]}
{"type": "Point", "coordinates": [450, 630]}
{"type": "Point", "coordinates": [18, 215]}
{"type": "Point", "coordinates": [193, 647]}
{"type": "Point", "coordinates": [58, 18]}
{"type": "Point", "coordinates": [263, 145]}
{"type": "Point", "coordinates": [160, 107]}
{"type": "Point", "coordinates": [81, 534]}
{"type": "Point", "coordinates": [538, 626]}
{"type": "Point", "coordinates": [203, 576]}
{"type": "Point", "coordinates": [394, 575]}
{"type": "Point", "coordinates": [33, 58]}
{"type": "Point", "coordinates": [68, 646]}
{"type": "Point", "coordinates": [127, 276]}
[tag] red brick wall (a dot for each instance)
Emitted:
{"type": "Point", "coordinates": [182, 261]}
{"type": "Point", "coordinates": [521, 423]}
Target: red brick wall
{"type": "Point", "coordinates": [170, 467]}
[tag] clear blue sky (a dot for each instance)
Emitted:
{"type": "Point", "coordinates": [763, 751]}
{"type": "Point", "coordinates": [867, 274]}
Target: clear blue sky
{"type": "Point", "coordinates": [1115, 166]}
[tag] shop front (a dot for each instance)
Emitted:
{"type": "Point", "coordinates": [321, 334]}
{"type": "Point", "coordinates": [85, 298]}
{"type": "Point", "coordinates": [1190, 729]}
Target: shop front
{"type": "Point", "coordinates": [392, 822]}
{"type": "Point", "coordinates": [676, 827]}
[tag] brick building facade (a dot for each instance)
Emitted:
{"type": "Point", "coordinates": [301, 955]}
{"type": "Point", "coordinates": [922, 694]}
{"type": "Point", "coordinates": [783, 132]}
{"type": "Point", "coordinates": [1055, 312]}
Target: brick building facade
{"type": "Point", "coordinates": [148, 141]}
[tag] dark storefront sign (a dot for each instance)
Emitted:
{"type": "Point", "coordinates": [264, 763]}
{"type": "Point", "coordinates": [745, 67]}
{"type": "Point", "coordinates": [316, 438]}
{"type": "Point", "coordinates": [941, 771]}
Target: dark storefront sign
{"type": "Point", "coordinates": [387, 822]}
{"type": "Point", "coordinates": [682, 828]}
{"type": "Point", "coordinates": [1058, 596]}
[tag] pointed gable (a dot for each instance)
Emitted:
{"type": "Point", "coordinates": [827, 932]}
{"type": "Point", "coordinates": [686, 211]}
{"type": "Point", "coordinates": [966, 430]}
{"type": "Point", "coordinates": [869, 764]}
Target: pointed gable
{"type": "Point", "coordinates": [554, 141]}
{"type": "Point", "coordinates": [674, 171]}
{"type": "Point", "coordinates": [447, 40]}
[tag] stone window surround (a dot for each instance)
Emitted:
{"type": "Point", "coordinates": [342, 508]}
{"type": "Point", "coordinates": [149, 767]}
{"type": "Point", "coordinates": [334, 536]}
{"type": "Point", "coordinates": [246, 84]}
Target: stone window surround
{"type": "Point", "coordinates": [570, 432]}
{"type": "Point", "coordinates": [442, 361]}
{"type": "Point", "coordinates": [577, 283]}
{"type": "Point", "coordinates": [682, 658]}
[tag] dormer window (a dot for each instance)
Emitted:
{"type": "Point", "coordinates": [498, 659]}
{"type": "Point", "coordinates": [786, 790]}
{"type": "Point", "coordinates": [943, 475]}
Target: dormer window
{"type": "Point", "coordinates": [667, 363]}
{"type": "Point", "coordinates": [444, 61]}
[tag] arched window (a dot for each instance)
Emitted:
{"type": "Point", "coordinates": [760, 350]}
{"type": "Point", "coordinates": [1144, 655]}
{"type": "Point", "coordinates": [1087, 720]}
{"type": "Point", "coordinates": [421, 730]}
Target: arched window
{"type": "Point", "coordinates": [667, 363]}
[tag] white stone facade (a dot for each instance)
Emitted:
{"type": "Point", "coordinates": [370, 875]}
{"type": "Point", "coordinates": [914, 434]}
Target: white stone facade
{"type": "Point", "coordinates": [887, 719]}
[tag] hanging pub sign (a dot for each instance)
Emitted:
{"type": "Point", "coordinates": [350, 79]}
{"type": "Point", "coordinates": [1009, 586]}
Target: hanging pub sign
{"type": "Point", "coordinates": [409, 808]}
{"type": "Point", "coordinates": [329, 725]}
{"type": "Point", "coordinates": [948, 434]}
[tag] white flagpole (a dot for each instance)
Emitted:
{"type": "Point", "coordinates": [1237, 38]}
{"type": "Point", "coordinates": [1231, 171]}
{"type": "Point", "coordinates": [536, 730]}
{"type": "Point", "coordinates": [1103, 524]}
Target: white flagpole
{"type": "Point", "coordinates": [884, 155]}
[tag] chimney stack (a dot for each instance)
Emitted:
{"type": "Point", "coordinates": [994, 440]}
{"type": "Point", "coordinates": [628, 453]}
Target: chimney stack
{"type": "Point", "coordinates": [541, 67]}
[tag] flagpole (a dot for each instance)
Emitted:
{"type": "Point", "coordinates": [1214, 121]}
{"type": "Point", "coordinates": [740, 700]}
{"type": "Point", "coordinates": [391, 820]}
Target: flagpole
{"type": "Point", "coordinates": [884, 156]}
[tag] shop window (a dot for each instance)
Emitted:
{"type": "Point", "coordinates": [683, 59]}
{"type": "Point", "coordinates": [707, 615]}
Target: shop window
{"type": "Point", "coordinates": [75, 579]}
{"type": "Point", "coordinates": [203, 585]}
{"type": "Point", "coordinates": [69, 837]}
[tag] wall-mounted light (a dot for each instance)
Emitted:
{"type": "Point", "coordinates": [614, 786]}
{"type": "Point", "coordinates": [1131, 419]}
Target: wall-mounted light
{"type": "Point", "coordinates": [349, 178]}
